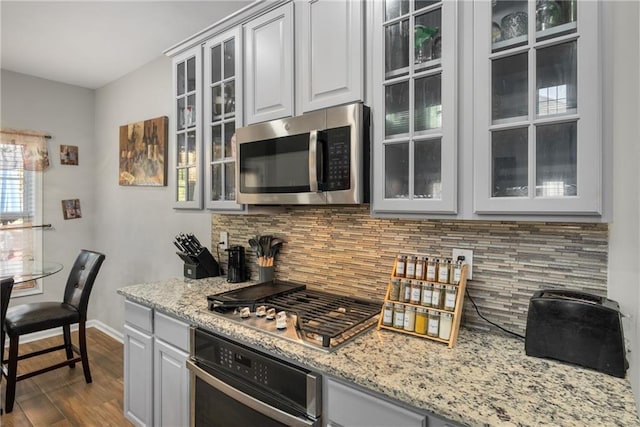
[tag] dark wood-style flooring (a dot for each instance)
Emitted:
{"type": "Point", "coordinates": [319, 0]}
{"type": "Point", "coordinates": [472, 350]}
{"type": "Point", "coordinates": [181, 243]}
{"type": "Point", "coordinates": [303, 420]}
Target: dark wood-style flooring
{"type": "Point", "coordinates": [61, 397]}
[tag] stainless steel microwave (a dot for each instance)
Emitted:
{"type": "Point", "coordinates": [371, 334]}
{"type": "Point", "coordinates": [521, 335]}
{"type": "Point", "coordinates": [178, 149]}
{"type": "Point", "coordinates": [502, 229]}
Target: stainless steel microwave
{"type": "Point", "coordinates": [321, 157]}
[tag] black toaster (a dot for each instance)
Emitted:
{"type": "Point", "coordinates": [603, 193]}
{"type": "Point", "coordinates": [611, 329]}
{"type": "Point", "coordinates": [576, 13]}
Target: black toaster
{"type": "Point", "coordinates": [578, 328]}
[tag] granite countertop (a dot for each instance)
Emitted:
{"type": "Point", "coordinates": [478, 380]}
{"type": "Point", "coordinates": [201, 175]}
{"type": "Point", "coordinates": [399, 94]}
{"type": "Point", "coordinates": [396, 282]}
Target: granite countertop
{"type": "Point", "coordinates": [486, 379]}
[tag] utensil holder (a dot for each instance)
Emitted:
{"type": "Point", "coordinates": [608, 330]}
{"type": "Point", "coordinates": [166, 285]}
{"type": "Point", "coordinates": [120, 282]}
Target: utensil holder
{"type": "Point", "coordinates": [265, 274]}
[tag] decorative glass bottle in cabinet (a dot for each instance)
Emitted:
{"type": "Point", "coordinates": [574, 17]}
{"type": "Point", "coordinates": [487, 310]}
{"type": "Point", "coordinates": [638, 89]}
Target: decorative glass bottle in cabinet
{"type": "Point", "coordinates": [186, 152]}
{"type": "Point", "coordinates": [538, 146]}
{"type": "Point", "coordinates": [223, 113]}
{"type": "Point", "coordinates": [414, 101]}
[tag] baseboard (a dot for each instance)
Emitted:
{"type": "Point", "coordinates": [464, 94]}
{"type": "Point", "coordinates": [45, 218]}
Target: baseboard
{"type": "Point", "coordinates": [102, 327]}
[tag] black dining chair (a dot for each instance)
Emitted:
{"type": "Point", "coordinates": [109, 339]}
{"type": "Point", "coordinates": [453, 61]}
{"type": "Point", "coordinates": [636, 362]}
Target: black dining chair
{"type": "Point", "coordinates": [6, 286]}
{"type": "Point", "coordinates": [40, 316]}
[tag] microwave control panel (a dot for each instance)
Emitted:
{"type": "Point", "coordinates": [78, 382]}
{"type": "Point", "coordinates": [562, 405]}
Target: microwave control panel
{"type": "Point", "coordinates": [338, 159]}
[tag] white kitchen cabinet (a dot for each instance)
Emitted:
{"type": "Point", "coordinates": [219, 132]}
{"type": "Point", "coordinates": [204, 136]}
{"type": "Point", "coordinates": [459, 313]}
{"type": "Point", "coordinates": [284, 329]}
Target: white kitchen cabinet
{"type": "Point", "coordinates": [171, 377]}
{"type": "Point", "coordinates": [329, 52]}
{"type": "Point", "coordinates": [537, 132]}
{"type": "Point", "coordinates": [268, 59]}
{"type": "Point", "coordinates": [156, 381]}
{"type": "Point", "coordinates": [223, 108]}
{"type": "Point", "coordinates": [415, 107]}
{"type": "Point", "coordinates": [138, 369]}
{"type": "Point", "coordinates": [347, 406]}
{"type": "Point", "coordinates": [186, 146]}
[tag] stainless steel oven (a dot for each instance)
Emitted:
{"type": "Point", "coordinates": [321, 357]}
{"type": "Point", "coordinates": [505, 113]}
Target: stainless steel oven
{"type": "Point", "coordinates": [235, 385]}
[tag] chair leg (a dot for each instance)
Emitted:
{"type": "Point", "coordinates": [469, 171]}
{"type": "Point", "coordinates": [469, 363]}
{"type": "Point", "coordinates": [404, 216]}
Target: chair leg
{"type": "Point", "coordinates": [66, 332]}
{"type": "Point", "coordinates": [12, 371]}
{"type": "Point", "coordinates": [83, 351]}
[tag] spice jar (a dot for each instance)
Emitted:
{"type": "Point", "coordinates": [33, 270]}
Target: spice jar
{"type": "Point", "coordinates": [427, 291]}
{"type": "Point", "coordinates": [416, 291]}
{"type": "Point", "coordinates": [409, 318]}
{"type": "Point", "coordinates": [450, 294]}
{"type": "Point", "coordinates": [387, 314]}
{"type": "Point", "coordinates": [457, 272]}
{"type": "Point", "coordinates": [437, 296]}
{"type": "Point", "coordinates": [446, 322]}
{"type": "Point", "coordinates": [394, 294]}
{"type": "Point", "coordinates": [398, 316]}
{"type": "Point", "coordinates": [400, 262]}
{"type": "Point", "coordinates": [420, 268]}
{"type": "Point", "coordinates": [405, 290]}
{"type": "Point", "coordinates": [430, 274]}
{"type": "Point", "coordinates": [433, 325]}
{"type": "Point", "coordinates": [443, 271]}
{"type": "Point", "coordinates": [421, 320]}
{"type": "Point", "coordinates": [410, 267]}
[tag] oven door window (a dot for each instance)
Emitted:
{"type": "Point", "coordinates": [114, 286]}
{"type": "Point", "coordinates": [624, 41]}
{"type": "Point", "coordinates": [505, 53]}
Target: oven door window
{"type": "Point", "coordinates": [214, 408]}
{"type": "Point", "coordinates": [221, 400]}
{"type": "Point", "coordinates": [279, 165]}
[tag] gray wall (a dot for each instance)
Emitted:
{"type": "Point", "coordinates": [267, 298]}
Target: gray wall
{"type": "Point", "coordinates": [135, 225]}
{"type": "Point", "coordinates": [622, 111]}
{"type": "Point", "coordinates": [67, 114]}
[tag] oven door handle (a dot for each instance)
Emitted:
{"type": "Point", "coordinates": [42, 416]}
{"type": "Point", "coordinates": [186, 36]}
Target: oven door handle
{"type": "Point", "coordinates": [249, 401]}
{"type": "Point", "coordinates": [313, 161]}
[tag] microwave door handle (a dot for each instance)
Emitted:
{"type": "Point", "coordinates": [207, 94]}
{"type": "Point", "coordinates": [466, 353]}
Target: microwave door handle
{"type": "Point", "coordinates": [313, 161]}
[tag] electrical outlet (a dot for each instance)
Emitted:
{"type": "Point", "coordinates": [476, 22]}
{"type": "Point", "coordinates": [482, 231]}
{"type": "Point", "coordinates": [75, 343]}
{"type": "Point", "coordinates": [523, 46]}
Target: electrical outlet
{"type": "Point", "coordinates": [468, 259]}
{"type": "Point", "coordinates": [224, 240]}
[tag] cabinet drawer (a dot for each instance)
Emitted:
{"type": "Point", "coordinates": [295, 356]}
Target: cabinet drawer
{"type": "Point", "coordinates": [139, 316]}
{"type": "Point", "coordinates": [172, 331]}
{"type": "Point", "coordinates": [347, 406]}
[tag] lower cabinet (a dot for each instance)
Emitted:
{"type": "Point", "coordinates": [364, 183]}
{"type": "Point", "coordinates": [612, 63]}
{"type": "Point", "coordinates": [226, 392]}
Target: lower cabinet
{"type": "Point", "coordinates": [156, 380]}
{"type": "Point", "coordinates": [348, 406]}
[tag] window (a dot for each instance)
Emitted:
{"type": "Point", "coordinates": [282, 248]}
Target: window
{"type": "Point", "coordinates": [20, 205]}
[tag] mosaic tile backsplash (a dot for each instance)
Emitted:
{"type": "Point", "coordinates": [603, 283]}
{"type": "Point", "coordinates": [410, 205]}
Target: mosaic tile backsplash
{"type": "Point", "coordinates": [344, 250]}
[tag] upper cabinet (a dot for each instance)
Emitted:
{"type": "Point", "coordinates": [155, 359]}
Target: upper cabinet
{"type": "Point", "coordinates": [268, 54]}
{"type": "Point", "coordinates": [187, 150]}
{"type": "Point", "coordinates": [537, 132]}
{"type": "Point", "coordinates": [329, 53]}
{"type": "Point", "coordinates": [222, 115]}
{"type": "Point", "coordinates": [414, 106]}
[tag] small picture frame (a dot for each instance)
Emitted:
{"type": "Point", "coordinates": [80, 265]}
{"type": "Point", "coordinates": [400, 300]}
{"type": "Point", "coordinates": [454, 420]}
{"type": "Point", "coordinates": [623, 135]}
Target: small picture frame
{"type": "Point", "coordinates": [71, 209]}
{"type": "Point", "coordinates": [69, 155]}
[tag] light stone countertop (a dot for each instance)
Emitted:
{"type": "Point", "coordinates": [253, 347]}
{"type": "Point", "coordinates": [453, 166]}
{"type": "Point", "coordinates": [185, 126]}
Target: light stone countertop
{"type": "Point", "coordinates": [486, 379]}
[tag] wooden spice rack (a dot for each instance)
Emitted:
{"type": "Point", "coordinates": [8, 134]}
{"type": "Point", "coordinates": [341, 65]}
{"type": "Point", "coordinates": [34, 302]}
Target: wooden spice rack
{"type": "Point", "coordinates": [457, 312]}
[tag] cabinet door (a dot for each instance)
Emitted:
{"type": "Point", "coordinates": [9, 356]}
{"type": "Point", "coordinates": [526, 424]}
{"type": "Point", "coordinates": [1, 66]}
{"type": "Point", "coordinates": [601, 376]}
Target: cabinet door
{"type": "Point", "coordinates": [171, 385]}
{"type": "Point", "coordinates": [537, 145]}
{"type": "Point", "coordinates": [222, 115]}
{"type": "Point", "coordinates": [331, 63]}
{"type": "Point", "coordinates": [187, 146]}
{"type": "Point", "coordinates": [138, 376]}
{"type": "Point", "coordinates": [268, 42]}
{"type": "Point", "coordinates": [347, 406]}
{"type": "Point", "coordinates": [415, 146]}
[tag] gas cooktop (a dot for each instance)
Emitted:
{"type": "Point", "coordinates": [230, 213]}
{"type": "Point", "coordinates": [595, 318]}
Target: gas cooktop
{"type": "Point", "coordinates": [288, 310]}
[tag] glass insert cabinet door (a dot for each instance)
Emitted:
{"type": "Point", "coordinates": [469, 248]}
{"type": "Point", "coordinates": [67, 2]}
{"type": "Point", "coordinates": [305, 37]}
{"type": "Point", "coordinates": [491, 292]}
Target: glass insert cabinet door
{"type": "Point", "coordinates": [414, 99]}
{"type": "Point", "coordinates": [187, 148]}
{"type": "Point", "coordinates": [537, 146]}
{"type": "Point", "coordinates": [223, 114]}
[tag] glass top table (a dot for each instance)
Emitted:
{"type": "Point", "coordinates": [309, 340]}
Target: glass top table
{"type": "Point", "coordinates": [25, 271]}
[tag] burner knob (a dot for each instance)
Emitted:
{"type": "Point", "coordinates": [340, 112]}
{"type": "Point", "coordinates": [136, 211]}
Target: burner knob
{"type": "Point", "coordinates": [271, 314]}
{"type": "Point", "coordinates": [245, 312]}
{"type": "Point", "coordinates": [261, 311]}
{"type": "Point", "coordinates": [281, 320]}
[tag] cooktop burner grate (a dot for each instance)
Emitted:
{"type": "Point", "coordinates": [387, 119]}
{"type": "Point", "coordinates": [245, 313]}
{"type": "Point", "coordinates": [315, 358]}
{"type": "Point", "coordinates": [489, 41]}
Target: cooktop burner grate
{"type": "Point", "coordinates": [324, 314]}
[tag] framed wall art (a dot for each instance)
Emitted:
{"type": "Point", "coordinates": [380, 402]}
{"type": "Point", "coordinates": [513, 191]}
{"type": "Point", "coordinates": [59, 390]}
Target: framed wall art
{"type": "Point", "coordinates": [143, 147]}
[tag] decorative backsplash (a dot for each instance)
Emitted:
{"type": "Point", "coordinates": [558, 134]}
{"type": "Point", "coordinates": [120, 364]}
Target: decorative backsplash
{"type": "Point", "coordinates": [345, 250]}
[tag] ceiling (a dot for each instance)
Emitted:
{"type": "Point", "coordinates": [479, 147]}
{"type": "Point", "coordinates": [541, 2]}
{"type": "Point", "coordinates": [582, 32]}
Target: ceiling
{"type": "Point", "coordinates": [92, 43]}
